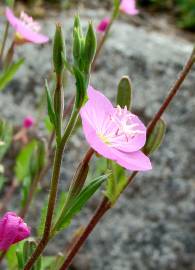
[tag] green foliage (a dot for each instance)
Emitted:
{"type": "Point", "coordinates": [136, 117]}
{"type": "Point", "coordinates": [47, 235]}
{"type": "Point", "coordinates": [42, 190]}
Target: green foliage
{"type": "Point", "coordinates": [29, 162]}
{"type": "Point", "coordinates": [116, 182]}
{"type": "Point", "coordinates": [41, 225]}
{"type": "Point", "coordinates": [80, 200]}
{"type": "Point", "coordinates": [23, 161]}
{"type": "Point", "coordinates": [50, 107]}
{"type": "Point", "coordinates": [55, 263]}
{"type": "Point", "coordinates": [186, 13]}
{"type": "Point", "coordinates": [11, 258]}
{"type": "Point", "coordinates": [5, 138]}
{"type": "Point", "coordinates": [9, 73]}
{"type": "Point", "coordinates": [156, 137]}
{"type": "Point", "coordinates": [183, 10]}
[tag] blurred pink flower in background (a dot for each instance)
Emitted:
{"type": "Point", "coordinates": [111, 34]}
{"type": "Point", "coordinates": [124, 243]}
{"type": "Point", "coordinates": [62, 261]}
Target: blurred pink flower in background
{"type": "Point", "coordinates": [114, 133]}
{"type": "Point", "coordinates": [12, 230]}
{"type": "Point", "coordinates": [28, 122]}
{"type": "Point", "coordinates": [27, 30]}
{"type": "Point", "coordinates": [129, 7]}
{"type": "Point", "coordinates": [102, 26]}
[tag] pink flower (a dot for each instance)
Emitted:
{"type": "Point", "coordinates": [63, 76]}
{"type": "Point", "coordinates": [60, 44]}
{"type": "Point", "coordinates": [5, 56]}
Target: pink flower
{"type": "Point", "coordinates": [28, 122]}
{"type": "Point", "coordinates": [129, 7]}
{"type": "Point", "coordinates": [12, 230]}
{"type": "Point", "coordinates": [114, 133]}
{"type": "Point", "coordinates": [102, 26]}
{"type": "Point", "coordinates": [27, 30]}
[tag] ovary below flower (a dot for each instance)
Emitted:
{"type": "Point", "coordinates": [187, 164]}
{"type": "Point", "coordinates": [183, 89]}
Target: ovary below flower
{"type": "Point", "coordinates": [27, 30]}
{"type": "Point", "coordinates": [114, 133]}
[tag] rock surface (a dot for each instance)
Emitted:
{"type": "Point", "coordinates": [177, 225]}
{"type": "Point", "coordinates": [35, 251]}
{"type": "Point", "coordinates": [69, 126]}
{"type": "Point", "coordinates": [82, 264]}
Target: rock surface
{"type": "Point", "coordinates": [153, 224]}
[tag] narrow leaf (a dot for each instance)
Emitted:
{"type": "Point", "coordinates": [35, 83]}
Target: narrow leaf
{"type": "Point", "coordinates": [50, 108]}
{"type": "Point", "coordinates": [80, 201]}
{"type": "Point", "coordinates": [9, 73]}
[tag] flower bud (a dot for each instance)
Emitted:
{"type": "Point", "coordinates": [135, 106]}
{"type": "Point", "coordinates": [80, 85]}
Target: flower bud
{"type": "Point", "coordinates": [12, 230]}
{"type": "Point", "coordinates": [90, 47]}
{"type": "Point", "coordinates": [124, 94]}
{"type": "Point", "coordinates": [76, 46]}
{"type": "Point", "coordinates": [58, 49]}
{"type": "Point", "coordinates": [28, 122]}
{"type": "Point", "coordinates": [156, 137]}
{"type": "Point", "coordinates": [103, 25]}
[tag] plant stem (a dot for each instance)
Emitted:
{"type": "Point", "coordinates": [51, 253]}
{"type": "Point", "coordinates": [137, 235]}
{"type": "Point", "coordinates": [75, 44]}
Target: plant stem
{"type": "Point", "coordinates": [101, 210]}
{"type": "Point", "coordinates": [4, 41]}
{"type": "Point", "coordinates": [53, 191]}
{"type": "Point", "coordinates": [105, 206]}
{"type": "Point", "coordinates": [101, 44]}
{"type": "Point", "coordinates": [81, 166]}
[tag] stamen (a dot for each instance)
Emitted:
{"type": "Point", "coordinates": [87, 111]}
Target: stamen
{"type": "Point", "coordinates": [29, 22]}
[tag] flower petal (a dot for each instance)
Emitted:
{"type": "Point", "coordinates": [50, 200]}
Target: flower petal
{"type": "Point", "coordinates": [94, 141]}
{"type": "Point", "coordinates": [133, 143]}
{"type": "Point", "coordinates": [129, 7]}
{"type": "Point", "coordinates": [24, 30]}
{"type": "Point", "coordinates": [96, 109]}
{"type": "Point", "coordinates": [135, 161]}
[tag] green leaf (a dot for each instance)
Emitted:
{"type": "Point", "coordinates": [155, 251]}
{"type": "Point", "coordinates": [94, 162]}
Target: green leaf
{"type": "Point", "coordinates": [80, 201]}
{"type": "Point", "coordinates": [124, 95]}
{"type": "Point", "coordinates": [116, 182]}
{"type": "Point", "coordinates": [57, 262]}
{"type": "Point", "coordinates": [2, 181]}
{"type": "Point", "coordinates": [28, 249]}
{"type": "Point", "coordinates": [5, 137]}
{"type": "Point", "coordinates": [47, 262]}
{"type": "Point", "coordinates": [59, 206]}
{"type": "Point", "coordinates": [156, 137]}
{"type": "Point", "coordinates": [9, 73]}
{"type": "Point", "coordinates": [50, 108]}
{"type": "Point", "coordinates": [11, 258]}
{"type": "Point", "coordinates": [66, 64]}
{"type": "Point", "coordinates": [23, 161]}
{"type": "Point", "coordinates": [80, 86]}
{"type": "Point", "coordinates": [41, 225]}
{"type": "Point", "coordinates": [49, 126]}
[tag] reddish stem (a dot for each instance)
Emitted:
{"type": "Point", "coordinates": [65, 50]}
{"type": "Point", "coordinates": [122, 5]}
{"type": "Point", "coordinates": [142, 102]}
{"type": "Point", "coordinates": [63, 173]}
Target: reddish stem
{"type": "Point", "coordinates": [102, 209]}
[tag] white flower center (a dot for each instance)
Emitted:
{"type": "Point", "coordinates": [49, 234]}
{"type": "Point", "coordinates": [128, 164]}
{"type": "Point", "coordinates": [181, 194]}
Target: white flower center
{"type": "Point", "coordinates": [29, 22]}
{"type": "Point", "coordinates": [119, 128]}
